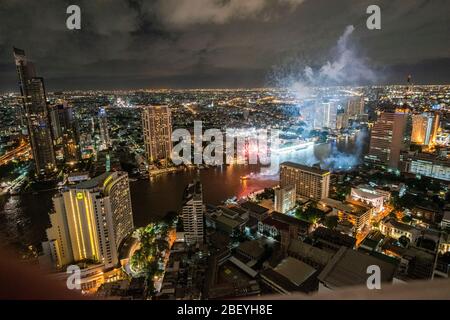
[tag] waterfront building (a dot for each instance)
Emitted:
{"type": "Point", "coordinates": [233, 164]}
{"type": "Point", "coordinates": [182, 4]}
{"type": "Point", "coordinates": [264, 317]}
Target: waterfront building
{"type": "Point", "coordinates": [157, 131]}
{"type": "Point", "coordinates": [35, 109]}
{"type": "Point", "coordinates": [89, 222]}
{"type": "Point", "coordinates": [192, 213]}
{"type": "Point", "coordinates": [311, 182]}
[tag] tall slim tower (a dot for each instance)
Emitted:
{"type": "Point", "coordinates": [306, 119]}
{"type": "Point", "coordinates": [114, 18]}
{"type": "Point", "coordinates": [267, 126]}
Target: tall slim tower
{"type": "Point", "coordinates": [390, 134]}
{"type": "Point", "coordinates": [34, 102]}
{"type": "Point", "coordinates": [90, 220]}
{"type": "Point", "coordinates": [105, 142]}
{"type": "Point", "coordinates": [157, 130]}
{"type": "Point", "coordinates": [192, 213]}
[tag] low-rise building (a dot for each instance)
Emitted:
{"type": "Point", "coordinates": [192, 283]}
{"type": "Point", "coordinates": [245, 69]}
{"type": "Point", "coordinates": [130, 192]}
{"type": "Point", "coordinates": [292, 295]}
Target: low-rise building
{"type": "Point", "coordinates": [353, 211]}
{"type": "Point", "coordinates": [333, 239]}
{"type": "Point", "coordinates": [366, 194]}
{"type": "Point", "coordinates": [349, 268]}
{"type": "Point", "coordinates": [254, 210]}
{"type": "Point", "coordinates": [315, 257]}
{"type": "Point", "coordinates": [392, 228]}
{"type": "Point", "coordinates": [231, 220]}
{"type": "Point", "coordinates": [290, 275]}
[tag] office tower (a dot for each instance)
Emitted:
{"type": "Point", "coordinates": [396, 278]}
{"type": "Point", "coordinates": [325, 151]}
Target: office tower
{"type": "Point", "coordinates": [390, 134]}
{"type": "Point", "coordinates": [325, 115]}
{"type": "Point", "coordinates": [355, 106]}
{"type": "Point", "coordinates": [90, 221]}
{"type": "Point", "coordinates": [157, 130]}
{"type": "Point", "coordinates": [105, 142]}
{"type": "Point", "coordinates": [65, 131]}
{"type": "Point", "coordinates": [310, 182]}
{"type": "Point", "coordinates": [285, 198]}
{"type": "Point", "coordinates": [34, 103]}
{"type": "Point", "coordinates": [424, 128]}
{"type": "Point", "coordinates": [341, 121]}
{"type": "Point", "coordinates": [192, 213]}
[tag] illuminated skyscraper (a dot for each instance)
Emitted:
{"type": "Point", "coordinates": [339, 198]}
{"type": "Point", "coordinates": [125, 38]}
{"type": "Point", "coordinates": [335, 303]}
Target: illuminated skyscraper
{"type": "Point", "coordinates": [90, 221]}
{"type": "Point", "coordinates": [65, 131]}
{"type": "Point", "coordinates": [193, 213]}
{"type": "Point", "coordinates": [310, 182]}
{"type": "Point", "coordinates": [35, 107]}
{"type": "Point", "coordinates": [325, 115]}
{"type": "Point", "coordinates": [157, 130]}
{"type": "Point", "coordinates": [105, 142]}
{"type": "Point", "coordinates": [390, 134]}
{"type": "Point", "coordinates": [355, 106]}
{"type": "Point", "coordinates": [424, 128]}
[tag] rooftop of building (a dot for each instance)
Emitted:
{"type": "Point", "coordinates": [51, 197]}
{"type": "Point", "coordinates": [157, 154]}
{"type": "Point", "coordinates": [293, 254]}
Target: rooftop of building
{"type": "Point", "coordinates": [255, 208]}
{"type": "Point", "coordinates": [349, 268]}
{"type": "Point", "coordinates": [366, 192]}
{"type": "Point", "coordinates": [310, 252]}
{"type": "Point", "coordinates": [290, 220]}
{"type": "Point", "coordinates": [314, 170]}
{"type": "Point", "coordinates": [280, 225]}
{"type": "Point", "coordinates": [252, 248]}
{"type": "Point", "coordinates": [294, 270]}
{"type": "Point", "coordinates": [193, 191]}
{"type": "Point", "coordinates": [354, 207]}
{"type": "Point", "coordinates": [96, 182]}
{"type": "Point", "coordinates": [334, 237]}
{"type": "Point", "coordinates": [398, 225]}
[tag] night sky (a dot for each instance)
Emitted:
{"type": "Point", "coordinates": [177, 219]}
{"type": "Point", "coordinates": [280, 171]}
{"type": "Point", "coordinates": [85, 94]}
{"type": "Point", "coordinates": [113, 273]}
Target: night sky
{"type": "Point", "coordinates": [125, 44]}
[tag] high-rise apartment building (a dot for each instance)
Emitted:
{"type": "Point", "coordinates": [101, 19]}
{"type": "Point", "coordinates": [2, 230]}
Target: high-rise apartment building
{"type": "Point", "coordinates": [285, 198]}
{"type": "Point", "coordinates": [311, 182]}
{"type": "Point", "coordinates": [34, 102]}
{"type": "Point", "coordinates": [65, 131]}
{"type": "Point", "coordinates": [105, 142]}
{"type": "Point", "coordinates": [355, 106]}
{"type": "Point", "coordinates": [157, 130]}
{"type": "Point", "coordinates": [325, 115]}
{"type": "Point", "coordinates": [424, 128]}
{"type": "Point", "coordinates": [192, 213]}
{"type": "Point", "coordinates": [390, 134]}
{"type": "Point", "coordinates": [90, 221]}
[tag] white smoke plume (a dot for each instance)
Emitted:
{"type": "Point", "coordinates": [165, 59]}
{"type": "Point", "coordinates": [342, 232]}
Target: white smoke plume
{"type": "Point", "coordinates": [346, 67]}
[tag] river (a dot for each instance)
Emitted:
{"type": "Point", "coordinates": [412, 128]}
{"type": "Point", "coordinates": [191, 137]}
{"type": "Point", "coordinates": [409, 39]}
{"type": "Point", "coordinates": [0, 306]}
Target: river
{"type": "Point", "coordinates": [24, 218]}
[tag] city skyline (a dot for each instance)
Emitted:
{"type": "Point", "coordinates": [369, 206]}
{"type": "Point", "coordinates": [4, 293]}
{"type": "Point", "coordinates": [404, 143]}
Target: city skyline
{"type": "Point", "coordinates": [163, 45]}
{"type": "Point", "coordinates": [307, 177]}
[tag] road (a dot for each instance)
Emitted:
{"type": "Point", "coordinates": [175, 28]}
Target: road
{"type": "Point", "coordinates": [15, 153]}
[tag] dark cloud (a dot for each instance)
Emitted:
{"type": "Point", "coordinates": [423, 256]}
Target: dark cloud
{"type": "Point", "coordinates": [216, 43]}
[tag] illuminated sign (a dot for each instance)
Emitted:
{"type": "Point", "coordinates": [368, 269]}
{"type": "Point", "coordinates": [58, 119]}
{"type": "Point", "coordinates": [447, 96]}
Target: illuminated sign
{"type": "Point", "coordinates": [80, 195]}
{"type": "Point", "coordinates": [106, 181]}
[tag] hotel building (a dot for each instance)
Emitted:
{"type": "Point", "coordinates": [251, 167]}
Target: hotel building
{"type": "Point", "coordinates": [90, 221]}
{"type": "Point", "coordinates": [311, 182]}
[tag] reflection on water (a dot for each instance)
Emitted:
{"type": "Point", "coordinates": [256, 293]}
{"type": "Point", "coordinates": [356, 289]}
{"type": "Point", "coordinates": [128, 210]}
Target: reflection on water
{"type": "Point", "coordinates": [23, 219]}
